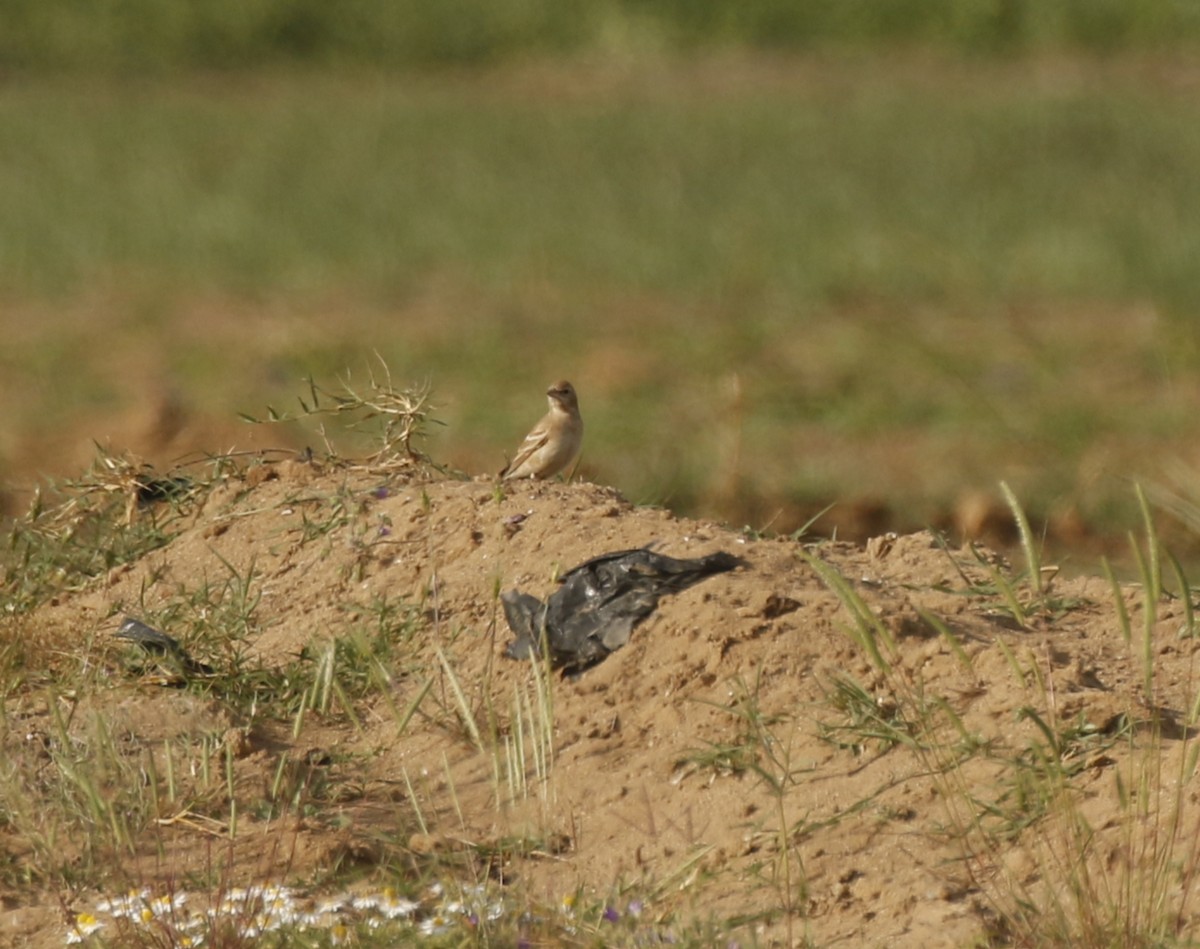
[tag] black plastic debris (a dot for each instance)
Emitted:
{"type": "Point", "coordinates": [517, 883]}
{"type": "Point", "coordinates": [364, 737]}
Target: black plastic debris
{"type": "Point", "coordinates": [162, 647]}
{"type": "Point", "coordinates": [595, 610]}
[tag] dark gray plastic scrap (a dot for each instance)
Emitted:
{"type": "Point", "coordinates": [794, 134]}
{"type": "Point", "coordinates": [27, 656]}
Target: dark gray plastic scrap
{"type": "Point", "coordinates": [162, 646]}
{"type": "Point", "coordinates": [595, 610]}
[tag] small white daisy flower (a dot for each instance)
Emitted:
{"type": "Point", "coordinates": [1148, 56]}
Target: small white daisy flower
{"type": "Point", "coordinates": [127, 905]}
{"type": "Point", "coordinates": [162, 905]}
{"type": "Point", "coordinates": [434, 925]}
{"type": "Point", "coordinates": [394, 906]}
{"type": "Point", "coordinates": [85, 925]}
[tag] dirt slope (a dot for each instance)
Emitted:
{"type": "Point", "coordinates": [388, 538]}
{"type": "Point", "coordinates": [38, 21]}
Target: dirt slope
{"type": "Point", "coordinates": [683, 762]}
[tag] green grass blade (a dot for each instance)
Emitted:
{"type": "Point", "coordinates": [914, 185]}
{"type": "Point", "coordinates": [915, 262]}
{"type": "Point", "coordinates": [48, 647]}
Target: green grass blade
{"type": "Point", "coordinates": [1033, 563]}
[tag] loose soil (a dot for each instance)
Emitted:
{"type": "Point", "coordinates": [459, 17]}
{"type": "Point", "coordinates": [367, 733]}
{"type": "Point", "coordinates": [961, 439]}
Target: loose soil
{"type": "Point", "coordinates": [654, 785]}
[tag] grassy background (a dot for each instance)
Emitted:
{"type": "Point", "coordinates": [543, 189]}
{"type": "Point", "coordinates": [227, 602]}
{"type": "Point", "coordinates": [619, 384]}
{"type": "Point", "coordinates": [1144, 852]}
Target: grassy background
{"type": "Point", "coordinates": [879, 276]}
{"type": "Point", "coordinates": [142, 35]}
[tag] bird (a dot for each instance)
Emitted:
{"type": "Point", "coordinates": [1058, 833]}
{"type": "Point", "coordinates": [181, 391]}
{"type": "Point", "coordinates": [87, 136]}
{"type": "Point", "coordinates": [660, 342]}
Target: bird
{"type": "Point", "coordinates": [554, 442]}
{"type": "Point", "coordinates": [600, 601]}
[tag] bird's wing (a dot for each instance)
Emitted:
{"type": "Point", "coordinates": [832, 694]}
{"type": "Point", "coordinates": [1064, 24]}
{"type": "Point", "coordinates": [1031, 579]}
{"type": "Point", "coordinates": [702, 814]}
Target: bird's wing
{"type": "Point", "coordinates": [533, 441]}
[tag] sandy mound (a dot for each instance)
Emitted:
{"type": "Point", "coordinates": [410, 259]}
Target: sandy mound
{"type": "Point", "coordinates": [744, 756]}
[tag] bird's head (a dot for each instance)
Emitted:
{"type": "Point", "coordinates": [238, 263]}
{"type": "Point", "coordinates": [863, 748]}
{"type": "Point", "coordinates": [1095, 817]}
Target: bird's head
{"type": "Point", "coordinates": [562, 393]}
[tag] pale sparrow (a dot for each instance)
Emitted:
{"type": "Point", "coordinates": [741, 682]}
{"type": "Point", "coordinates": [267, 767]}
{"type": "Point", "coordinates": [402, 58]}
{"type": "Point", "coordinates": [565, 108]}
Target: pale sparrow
{"type": "Point", "coordinates": [555, 440]}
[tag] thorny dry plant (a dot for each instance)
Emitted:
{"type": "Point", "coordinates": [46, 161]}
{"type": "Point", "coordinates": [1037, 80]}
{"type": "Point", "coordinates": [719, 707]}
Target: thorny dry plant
{"type": "Point", "coordinates": [394, 417]}
{"type": "Point", "coordinates": [112, 477]}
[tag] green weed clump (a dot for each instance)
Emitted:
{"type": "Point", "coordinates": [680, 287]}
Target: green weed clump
{"type": "Point", "coordinates": [109, 516]}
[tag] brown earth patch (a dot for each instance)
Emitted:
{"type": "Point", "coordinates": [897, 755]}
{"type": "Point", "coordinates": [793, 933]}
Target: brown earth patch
{"type": "Point", "coordinates": [710, 764]}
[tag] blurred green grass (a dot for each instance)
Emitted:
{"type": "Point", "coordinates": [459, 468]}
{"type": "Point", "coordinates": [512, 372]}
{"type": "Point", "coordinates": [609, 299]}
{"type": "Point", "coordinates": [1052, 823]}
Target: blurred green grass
{"type": "Point", "coordinates": [820, 191]}
{"type": "Point", "coordinates": [823, 191]}
{"type": "Point", "coordinates": [146, 36]}
{"type": "Point", "coordinates": [776, 282]}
